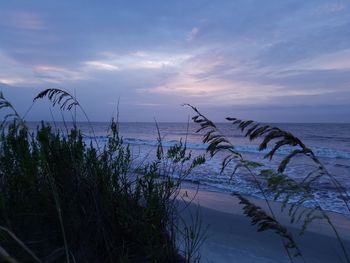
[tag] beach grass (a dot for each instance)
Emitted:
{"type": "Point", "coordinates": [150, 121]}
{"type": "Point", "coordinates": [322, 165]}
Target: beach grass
{"type": "Point", "coordinates": [276, 182]}
{"type": "Point", "coordinates": [62, 200]}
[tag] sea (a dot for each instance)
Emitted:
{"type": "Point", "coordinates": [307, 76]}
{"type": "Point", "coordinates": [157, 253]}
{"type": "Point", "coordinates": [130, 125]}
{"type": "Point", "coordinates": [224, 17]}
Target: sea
{"type": "Point", "coordinates": [329, 141]}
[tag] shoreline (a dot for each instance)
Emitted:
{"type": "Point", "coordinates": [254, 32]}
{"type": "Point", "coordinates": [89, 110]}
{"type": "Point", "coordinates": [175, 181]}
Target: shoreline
{"type": "Point", "coordinates": [232, 238]}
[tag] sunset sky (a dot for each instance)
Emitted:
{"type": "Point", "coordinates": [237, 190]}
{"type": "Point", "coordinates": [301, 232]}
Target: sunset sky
{"type": "Point", "coordinates": [275, 61]}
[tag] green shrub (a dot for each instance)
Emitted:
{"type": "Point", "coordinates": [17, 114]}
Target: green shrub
{"type": "Point", "coordinates": [63, 200]}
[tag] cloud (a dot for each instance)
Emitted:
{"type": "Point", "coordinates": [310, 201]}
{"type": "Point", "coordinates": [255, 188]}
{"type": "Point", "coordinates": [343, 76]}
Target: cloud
{"type": "Point", "coordinates": [328, 8]}
{"type": "Point", "coordinates": [140, 53]}
{"type": "Point", "coordinates": [320, 39]}
{"type": "Point", "coordinates": [162, 54]}
{"type": "Point", "coordinates": [192, 35]}
{"type": "Point", "coordinates": [15, 73]}
{"type": "Point", "coordinates": [136, 60]}
{"type": "Point", "coordinates": [11, 81]}
{"type": "Point", "coordinates": [202, 78]}
{"type": "Point", "coordinates": [57, 75]}
{"type": "Point", "coordinates": [101, 66]}
{"type": "Point", "coordinates": [23, 20]}
{"type": "Point", "coordinates": [338, 60]}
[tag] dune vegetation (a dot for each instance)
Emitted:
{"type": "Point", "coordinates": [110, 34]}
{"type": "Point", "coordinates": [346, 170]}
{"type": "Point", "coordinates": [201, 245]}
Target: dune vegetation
{"type": "Point", "coordinates": [64, 201]}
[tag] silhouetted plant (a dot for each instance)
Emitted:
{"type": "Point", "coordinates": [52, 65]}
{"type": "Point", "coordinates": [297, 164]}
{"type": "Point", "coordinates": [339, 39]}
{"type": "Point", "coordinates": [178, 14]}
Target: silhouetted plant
{"type": "Point", "coordinates": [60, 97]}
{"type": "Point", "coordinates": [66, 101]}
{"type": "Point", "coordinates": [12, 115]}
{"type": "Point", "coordinates": [278, 183]}
{"type": "Point", "coordinates": [62, 200]}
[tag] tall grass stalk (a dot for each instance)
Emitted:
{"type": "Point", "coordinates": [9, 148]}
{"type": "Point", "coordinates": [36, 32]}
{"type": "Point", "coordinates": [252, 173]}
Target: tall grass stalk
{"type": "Point", "coordinates": [276, 181]}
{"type": "Point", "coordinates": [66, 101]}
{"type": "Point", "coordinates": [59, 213]}
{"type": "Point", "coordinates": [20, 243]}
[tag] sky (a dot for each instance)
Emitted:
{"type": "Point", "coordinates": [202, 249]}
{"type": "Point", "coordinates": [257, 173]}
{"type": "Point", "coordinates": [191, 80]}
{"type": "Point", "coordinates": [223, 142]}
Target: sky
{"type": "Point", "coordinates": [271, 61]}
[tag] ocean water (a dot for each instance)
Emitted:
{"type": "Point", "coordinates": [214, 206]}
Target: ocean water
{"type": "Point", "coordinates": [330, 143]}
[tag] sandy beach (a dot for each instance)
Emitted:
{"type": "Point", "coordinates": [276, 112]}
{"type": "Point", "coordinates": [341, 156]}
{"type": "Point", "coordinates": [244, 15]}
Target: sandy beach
{"type": "Point", "coordinates": [231, 238]}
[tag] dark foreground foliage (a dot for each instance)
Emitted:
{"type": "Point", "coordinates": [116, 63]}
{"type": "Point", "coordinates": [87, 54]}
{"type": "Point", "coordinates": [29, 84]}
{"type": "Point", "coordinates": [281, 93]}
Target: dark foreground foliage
{"type": "Point", "coordinates": [62, 201]}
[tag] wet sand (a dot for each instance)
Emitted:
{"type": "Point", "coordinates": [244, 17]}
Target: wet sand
{"type": "Point", "coordinates": [231, 238]}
